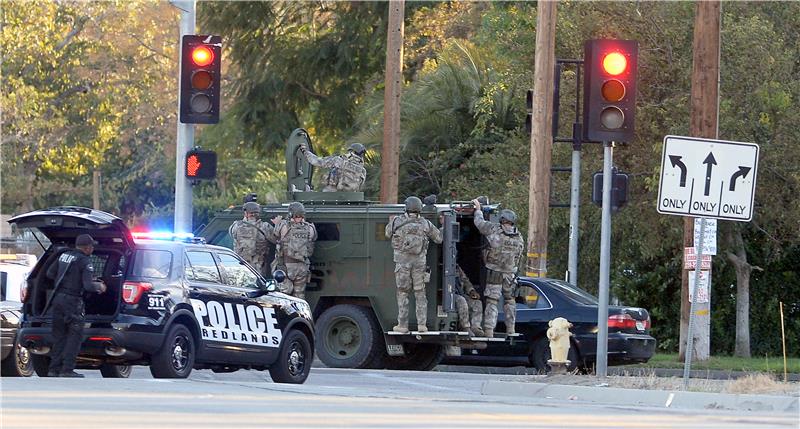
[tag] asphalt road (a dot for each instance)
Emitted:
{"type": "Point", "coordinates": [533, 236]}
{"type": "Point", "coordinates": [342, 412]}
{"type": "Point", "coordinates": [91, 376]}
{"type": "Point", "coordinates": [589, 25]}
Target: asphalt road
{"type": "Point", "coordinates": [330, 398]}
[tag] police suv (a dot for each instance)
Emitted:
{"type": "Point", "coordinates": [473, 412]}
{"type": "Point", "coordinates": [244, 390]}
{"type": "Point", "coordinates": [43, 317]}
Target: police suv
{"type": "Point", "coordinates": [173, 303]}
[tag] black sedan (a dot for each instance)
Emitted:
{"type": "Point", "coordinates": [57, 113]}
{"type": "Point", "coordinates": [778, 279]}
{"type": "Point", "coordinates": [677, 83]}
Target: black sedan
{"type": "Point", "coordinates": [541, 300]}
{"type": "Point", "coordinates": [16, 361]}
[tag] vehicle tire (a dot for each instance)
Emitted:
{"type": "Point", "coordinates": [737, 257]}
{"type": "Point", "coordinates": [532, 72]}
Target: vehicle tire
{"type": "Point", "coordinates": [176, 356]}
{"type": "Point", "coordinates": [294, 359]}
{"type": "Point", "coordinates": [115, 371]}
{"type": "Point", "coordinates": [541, 354]}
{"type": "Point", "coordinates": [18, 363]}
{"type": "Point", "coordinates": [41, 364]}
{"type": "Point", "coordinates": [419, 357]}
{"type": "Point", "coordinates": [348, 336]}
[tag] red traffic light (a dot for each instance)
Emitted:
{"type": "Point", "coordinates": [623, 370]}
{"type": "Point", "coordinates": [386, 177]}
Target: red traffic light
{"type": "Point", "coordinates": [614, 63]}
{"type": "Point", "coordinates": [202, 56]}
{"type": "Point", "coordinates": [201, 164]}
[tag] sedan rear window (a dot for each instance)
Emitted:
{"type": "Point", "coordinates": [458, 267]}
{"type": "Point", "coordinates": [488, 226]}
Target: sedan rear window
{"type": "Point", "coordinates": [154, 264]}
{"type": "Point", "coordinates": [573, 293]}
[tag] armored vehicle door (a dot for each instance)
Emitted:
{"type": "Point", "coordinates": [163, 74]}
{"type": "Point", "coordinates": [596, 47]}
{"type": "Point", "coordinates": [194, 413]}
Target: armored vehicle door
{"type": "Point", "coordinates": [298, 171]}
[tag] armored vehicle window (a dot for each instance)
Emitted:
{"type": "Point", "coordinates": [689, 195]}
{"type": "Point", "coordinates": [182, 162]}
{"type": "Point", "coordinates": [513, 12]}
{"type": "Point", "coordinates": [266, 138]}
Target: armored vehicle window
{"type": "Point", "coordinates": [222, 238]}
{"type": "Point", "coordinates": [236, 272]}
{"type": "Point", "coordinates": [203, 267]}
{"type": "Point", "coordinates": [327, 231]}
{"type": "Point", "coordinates": [380, 231]}
{"type": "Point", "coordinates": [154, 264]}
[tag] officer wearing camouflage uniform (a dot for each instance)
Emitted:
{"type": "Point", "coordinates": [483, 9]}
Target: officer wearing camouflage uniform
{"type": "Point", "coordinates": [346, 172]}
{"type": "Point", "coordinates": [251, 236]}
{"type": "Point", "coordinates": [501, 258]}
{"type": "Point", "coordinates": [410, 234]}
{"type": "Point", "coordinates": [294, 245]}
{"type": "Point", "coordinates": [468, 304]}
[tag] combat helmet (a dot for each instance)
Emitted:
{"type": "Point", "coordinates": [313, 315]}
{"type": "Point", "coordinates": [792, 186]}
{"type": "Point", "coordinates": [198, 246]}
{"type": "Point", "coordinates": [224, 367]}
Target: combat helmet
{"type": "Point", "coordinates": [413, 205]}
{"type": "Point", "coordinates": [509, 216]}
{"type": "Point", "coordinates": [297, 209]}
{"type": "Point", "coordinates": [358, 149]}
{"type": "Point", "coordinates": [252, 207]}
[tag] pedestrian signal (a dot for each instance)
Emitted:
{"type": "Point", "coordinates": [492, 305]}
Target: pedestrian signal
{"type": "Point", "coordinates": [609, 96]}
{"type": "Point", "coordinates": [201, 164]}
{"type": "Point", "coordinates": [200, 79]}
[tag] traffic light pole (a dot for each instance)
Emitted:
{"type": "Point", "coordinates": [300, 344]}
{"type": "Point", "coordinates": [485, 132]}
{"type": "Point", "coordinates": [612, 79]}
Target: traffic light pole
{"type": "Point", "coordinates": [185, 140]}
{"type": "Point", "coordinates": [605, 262]}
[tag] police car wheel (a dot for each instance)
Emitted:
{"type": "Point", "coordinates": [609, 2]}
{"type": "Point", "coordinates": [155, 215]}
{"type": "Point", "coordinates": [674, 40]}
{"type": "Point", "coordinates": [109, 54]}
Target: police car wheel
{"type": "Point", "coordinates": [18, 363]}
{"type": "Point", "coordinates": [294, 359]}
{"type": "Point", "coordinates": [115, 371]}
{"type": "Point", "coordinates": [541, 354]}
{"type": "Point", "coordinates": [175, 359]}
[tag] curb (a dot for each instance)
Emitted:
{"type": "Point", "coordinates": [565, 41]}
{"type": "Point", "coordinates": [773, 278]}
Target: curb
{"type": "Point", "coordinates": [652, 398]}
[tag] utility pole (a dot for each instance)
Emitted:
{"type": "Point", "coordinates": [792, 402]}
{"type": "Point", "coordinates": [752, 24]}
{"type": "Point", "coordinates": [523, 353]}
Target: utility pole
{"type": "Point", "coordinates": [390, 156]}
{"type": "Point", "coordinates": [703, 122]}
{"type": "Point", "coordinates": [185, 139]}
{"type": "Point", "coordinates": [541, 139]}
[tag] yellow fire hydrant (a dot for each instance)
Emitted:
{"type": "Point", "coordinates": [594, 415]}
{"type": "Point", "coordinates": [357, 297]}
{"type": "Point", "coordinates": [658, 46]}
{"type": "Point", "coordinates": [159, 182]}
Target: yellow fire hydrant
{"type": "Point", "coordinates": [559, 334]}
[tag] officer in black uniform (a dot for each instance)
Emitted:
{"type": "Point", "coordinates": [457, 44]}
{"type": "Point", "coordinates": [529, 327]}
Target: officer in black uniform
{"type": "Point", "coordinates": [73, 276]}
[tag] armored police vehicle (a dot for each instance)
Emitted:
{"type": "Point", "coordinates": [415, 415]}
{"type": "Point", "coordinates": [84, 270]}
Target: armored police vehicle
{"type": "Point", "coordinates": [352, 291]}
{"type": "Point", "coordinates": [172, 302]}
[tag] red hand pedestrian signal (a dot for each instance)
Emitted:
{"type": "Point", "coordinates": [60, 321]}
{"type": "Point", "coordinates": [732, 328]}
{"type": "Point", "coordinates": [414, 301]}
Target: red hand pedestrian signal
{"type": "Point", "coordinates": [201, 164]}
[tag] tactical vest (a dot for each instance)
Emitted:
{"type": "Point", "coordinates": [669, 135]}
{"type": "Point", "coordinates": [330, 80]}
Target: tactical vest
{"type": "Point", "coordinates": [349, 175]}
{"type": "Point", "coordinates": [409, 235]}
{"type": "Point", "coordinates": [296, 243]}
{"type": "Point", "coordinates": [504, 251]}
{"type": "Point", "coordinates": [249, 238]}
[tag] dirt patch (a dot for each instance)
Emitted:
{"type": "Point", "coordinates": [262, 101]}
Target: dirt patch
{"type": "Point", "coordinates": [754, 384]}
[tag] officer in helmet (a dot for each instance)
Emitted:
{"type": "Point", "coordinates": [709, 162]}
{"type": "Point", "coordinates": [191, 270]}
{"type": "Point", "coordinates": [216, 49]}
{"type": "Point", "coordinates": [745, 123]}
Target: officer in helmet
{"type": "Point", "coordinates": [294, 245]}
{"type": "Point", "coordinates": [346, 172]}
{"type": "Point", "coordinates": [251, 236]}
{"type": "Point", "coordinates": [410, 234]}
{"type": "Point", "coordinates": [501, 257]}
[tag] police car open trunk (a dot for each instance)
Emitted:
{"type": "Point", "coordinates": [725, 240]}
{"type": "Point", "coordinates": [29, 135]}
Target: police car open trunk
{"type": "Point", "coordinates": [56, 229]}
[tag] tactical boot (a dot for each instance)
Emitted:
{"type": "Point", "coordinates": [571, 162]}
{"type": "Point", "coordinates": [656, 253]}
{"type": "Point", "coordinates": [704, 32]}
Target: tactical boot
{"type": "Point", "coordinates": [477, 332]}
{"type": "Point", "coordinates": [400, 329]}
{"type": "Point", "coordinates": [71, 374]}
{"type": "Point", "coordinates": [422, 328]}
{"type": "Point", "coordinates": [488, 333]}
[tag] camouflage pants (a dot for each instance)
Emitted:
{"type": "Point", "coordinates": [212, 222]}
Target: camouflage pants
{"type": "Point", "coordinates": [258, 261]}
{"type": "Point", "coordinates": [297, 277]}
{"type": "Point", "coordinates": [411, 277]}
{"type": "Point", "coordinates": [492, 293]}
{"type": "Point", "coordinates": [467, 307]}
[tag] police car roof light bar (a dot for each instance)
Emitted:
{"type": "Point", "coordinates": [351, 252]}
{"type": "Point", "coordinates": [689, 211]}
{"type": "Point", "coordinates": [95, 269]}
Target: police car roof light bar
{"type": "Point", "coordinates": [187, 237]}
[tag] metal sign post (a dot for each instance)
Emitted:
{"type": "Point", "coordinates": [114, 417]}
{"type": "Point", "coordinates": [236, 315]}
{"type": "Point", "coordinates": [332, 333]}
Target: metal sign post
{"type": "Point", "coordinates": [690, 334]}
{"type": "Point", "coordinates": [605, 262]}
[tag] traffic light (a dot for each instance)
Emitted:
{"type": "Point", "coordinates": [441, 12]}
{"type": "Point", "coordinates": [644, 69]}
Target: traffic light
{"type": "Point", "coordinates": [609, 89]}
{"type": "Point", "coordinates": [529, 117]}
{"type": "Point", "coordinates": [201, 164]}
{"type": "Point", "coordinates": [619, 189]}
{"type": "Point", "coordinates": [200, 79]}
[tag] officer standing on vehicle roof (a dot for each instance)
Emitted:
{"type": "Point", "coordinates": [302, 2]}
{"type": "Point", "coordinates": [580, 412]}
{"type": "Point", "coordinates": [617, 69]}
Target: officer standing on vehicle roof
{"type": "Point", "coordinates": [501, 258]}
{"type": "Point", "coordinates": [410, 234]}
{"type": "Point", "coordinates": [347, 172]}
{"type": "Point", "coordinates": [251, 236]}
{"type": "Point", "coordinates": [73, 276]}
{"type": "Point", "coordinates": [295, 243]}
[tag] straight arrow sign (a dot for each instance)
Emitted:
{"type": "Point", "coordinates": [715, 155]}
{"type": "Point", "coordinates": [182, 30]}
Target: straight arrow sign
{"type": "Point", "coordinates": [709, 161]}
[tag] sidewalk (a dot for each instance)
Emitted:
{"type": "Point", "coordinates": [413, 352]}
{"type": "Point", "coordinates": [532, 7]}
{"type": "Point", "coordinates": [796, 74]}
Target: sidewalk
{"type": "Point", "coordinates": [600, 393]}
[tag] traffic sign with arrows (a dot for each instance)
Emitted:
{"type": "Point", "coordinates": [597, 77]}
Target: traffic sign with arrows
{"type": "Point", "coordinates": [708, 178]}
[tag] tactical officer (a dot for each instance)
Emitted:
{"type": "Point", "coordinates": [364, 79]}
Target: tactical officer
{"type": "Point", "coordinates": [251, 236]}
{"type": "Point", "coordinates": [73, 277]}
{"type": "Point", "coordinates": [468, 304]}
{"type": "Point", "coordinates": [501, 258]}
{"type": "Point", "coordinates": [410, 234]}
{"type": "Point", "coordinates": [295, 243]}
{"type": "Point", "coordinates": [347, 172]}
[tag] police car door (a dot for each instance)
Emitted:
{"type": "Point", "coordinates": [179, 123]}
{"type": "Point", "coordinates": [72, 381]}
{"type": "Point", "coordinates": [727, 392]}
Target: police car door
{"type": "Point", "coordinates": [209, 295]}
{"type": "Point", "coordinates": [254, 322]}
